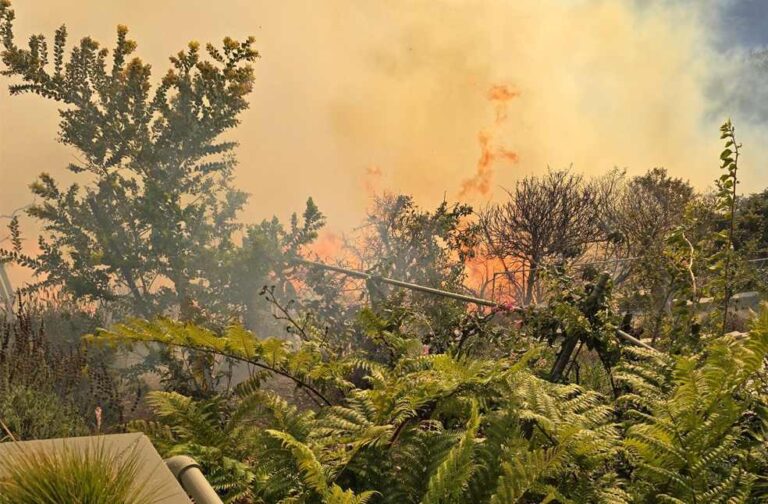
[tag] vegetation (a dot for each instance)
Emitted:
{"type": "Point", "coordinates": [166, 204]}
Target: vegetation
{"type": "Point", "coordinates": [616, 365]}
{"type": "Point", "coordinates": [64, 474]}
{"type": "Point", "coordinates": [51, 387]}
{"type": "Point", "coordinates": [153, 223]}
{"type": "Point", "coordinates": [546, 219]}
{"type": "Point", "coordinates": [443, 428]}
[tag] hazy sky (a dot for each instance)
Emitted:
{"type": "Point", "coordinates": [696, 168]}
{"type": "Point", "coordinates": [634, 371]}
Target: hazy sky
{"type": "Point", "coordinates": [354, 96]}
{"type": "Point", "coordinates": [743, 23]}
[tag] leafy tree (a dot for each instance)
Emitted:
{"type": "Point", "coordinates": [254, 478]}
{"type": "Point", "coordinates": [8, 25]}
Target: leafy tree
{"type": "Point", "coordinates": [152, 228]}
{"type": "Point", "coordinates": [650, 209]}
{"type": "Point", "coordinates": [426, 248]}
{"type": "Point", "coordinates": [266, 258]}
{"type": "Point", "coordinates": [751, 233]}
{"type": "Point", "coordinates": [154, 217]}
{"type": "Point", "coordinates": [407, 243]}
{"type": "Point", "coordinates": [401, 241]}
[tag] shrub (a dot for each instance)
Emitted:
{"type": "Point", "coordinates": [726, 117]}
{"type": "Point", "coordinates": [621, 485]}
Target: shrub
{"type": "Point", "coordinates": [29, 413]}
{"type": "Point", "coordinates": [50, 384]}
{"type": "Point", "coordinates": [445, 428]}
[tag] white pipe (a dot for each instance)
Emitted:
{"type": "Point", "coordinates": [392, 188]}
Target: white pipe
{"type": "Point", "coordinates": [191, 478]}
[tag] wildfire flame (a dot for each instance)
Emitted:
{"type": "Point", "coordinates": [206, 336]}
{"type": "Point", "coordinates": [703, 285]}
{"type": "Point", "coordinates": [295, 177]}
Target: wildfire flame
{"type": "Point", "coordinates": [328, 246]}
{"type": "Point", "coordinates": [489, 278]}
{"type": "Point", "coordinates": [499, 95]}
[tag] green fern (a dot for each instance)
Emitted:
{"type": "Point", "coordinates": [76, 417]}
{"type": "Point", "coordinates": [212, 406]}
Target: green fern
{"type": "Point", "coordinates": [451, 479]}
{"type": "Point", "coordinates": [690, 435]}
{"type": "Point", "coordinates": [441, 428]}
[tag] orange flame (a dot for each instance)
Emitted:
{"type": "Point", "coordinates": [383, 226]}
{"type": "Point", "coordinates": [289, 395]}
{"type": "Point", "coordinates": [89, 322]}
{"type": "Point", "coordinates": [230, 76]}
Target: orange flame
{"type": "Point", "coordinates": [500, 95]}
{"type": "Point", "coordinates": [494, 279]}
{"type": "Point", "coordinates": [328, 246]}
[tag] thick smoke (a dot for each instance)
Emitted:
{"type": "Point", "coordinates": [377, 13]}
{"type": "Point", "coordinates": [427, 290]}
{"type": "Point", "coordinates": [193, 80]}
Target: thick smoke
{"type": "Point", "coordinates": [601, 84]}
{"type": "Point", "coordinates": [347, 85]}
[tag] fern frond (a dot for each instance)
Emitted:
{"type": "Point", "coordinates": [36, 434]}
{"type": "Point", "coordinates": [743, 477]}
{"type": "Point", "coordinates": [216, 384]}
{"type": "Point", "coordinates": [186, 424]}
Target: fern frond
{"type": "Point", "coordinates": [451, 478]}
{"type": "Point", "coordinates": [312, 471]}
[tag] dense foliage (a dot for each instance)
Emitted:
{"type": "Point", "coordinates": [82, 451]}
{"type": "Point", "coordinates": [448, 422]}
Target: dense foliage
{"type": "Point", "coordinates": [443, 428]}
{"type": "Point", "coordinates": [51, 387]}
{"type": "Point", "coordinates": [152, 225]}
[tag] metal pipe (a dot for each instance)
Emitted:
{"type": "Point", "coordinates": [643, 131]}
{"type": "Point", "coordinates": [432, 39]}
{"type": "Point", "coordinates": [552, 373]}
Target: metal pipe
{"type": "Point", "coordinates": [407, 285]}
{"type": "Point", "coordinates": [631, 339]}
{"type": "Point", "coordinates": [190, 476]}
{"type": "Point", "coordinates": [429, 290]}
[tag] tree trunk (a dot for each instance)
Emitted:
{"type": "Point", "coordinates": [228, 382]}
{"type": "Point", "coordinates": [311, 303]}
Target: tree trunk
{"type": "Point", "coordinates": [563, 358]}
{"type": "Point", "coordinates": [533, 277]}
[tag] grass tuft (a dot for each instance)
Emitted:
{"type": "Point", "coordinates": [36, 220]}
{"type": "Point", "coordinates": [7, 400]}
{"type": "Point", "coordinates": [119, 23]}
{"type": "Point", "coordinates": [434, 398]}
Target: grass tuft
{"type": "Point", "coordinates": [68, 475]}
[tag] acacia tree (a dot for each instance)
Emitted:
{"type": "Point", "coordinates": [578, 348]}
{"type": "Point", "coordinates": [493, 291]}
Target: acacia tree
{"type": "Point", "coordinates": [153, 218]}
{"type": "Point", "coordinates": [545, 219]}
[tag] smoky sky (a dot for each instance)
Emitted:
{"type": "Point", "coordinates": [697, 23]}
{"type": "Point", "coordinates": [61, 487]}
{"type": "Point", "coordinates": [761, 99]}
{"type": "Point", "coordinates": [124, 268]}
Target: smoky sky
{"type": "Point", "coordinates": [740, 34]}
{"type": "Point", "coordinates": [354, 97]}
{"type": "Point", "coordinates": [744, 23]}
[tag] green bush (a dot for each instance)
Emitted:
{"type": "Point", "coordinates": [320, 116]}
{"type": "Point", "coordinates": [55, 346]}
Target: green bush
{"type": "Point", "coordinates": [50, 384]}
{"type": "Point", "coordinates": [29, 413]}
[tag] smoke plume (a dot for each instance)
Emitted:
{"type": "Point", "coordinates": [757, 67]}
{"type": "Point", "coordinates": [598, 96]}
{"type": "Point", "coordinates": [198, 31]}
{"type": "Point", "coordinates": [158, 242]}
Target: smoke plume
{"type": "Point", "coordinates": [404, 86]}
